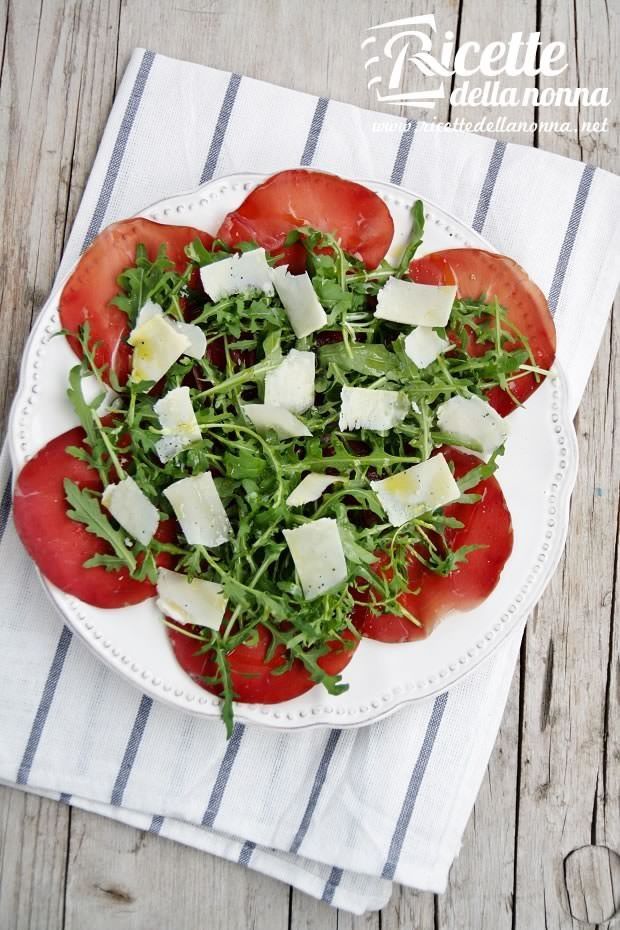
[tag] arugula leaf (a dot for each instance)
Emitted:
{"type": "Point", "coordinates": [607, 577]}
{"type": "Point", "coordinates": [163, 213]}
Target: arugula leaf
{"type": "Point", "coordinates": [373, 360]}
{"type": "Point", "coordinates": [198, 253]}
{"type": "Point", "coordinates": [447, 562]}
{"type": "Point", "coordinates": [415, 239]}
{"type": "Point", "coordinates": [155, 280]}
{"type": "Point", "coordinates": [244, 465]}
{"type": "Point", "coordinates": [83, 409]}
{"type": "Point", "coordinates": [85, 508]}
{"type": "Point", "coordinates": [480, 472]}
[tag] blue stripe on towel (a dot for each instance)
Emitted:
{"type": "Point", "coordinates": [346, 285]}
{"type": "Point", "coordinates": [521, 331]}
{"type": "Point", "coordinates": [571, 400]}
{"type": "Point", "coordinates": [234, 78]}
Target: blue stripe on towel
{"type": "Point", "coordinates": [404, 148]}
{"type": "Point", "coordinates": [335, 877]}
{"type": "Point", "coordinates": [319, 781]}
{"type": "Point", "coordinates": [131, 750]}
{"type": "Point", "coordinates": [315, 131]}
{"type": "Point", "coordinates": [561, 267]}
{"type": "Point", "coordinates": [232, 748]}
{"type": "Point", "coordinates": [246, 852]}
{"type": "Point", "coordinates": [5, 506]}
{"type": "Point", "coordinates": [411, 796]}
{"type": "Point", "coordinates": [488, 185]}
{"type": "Point", "coordinates": [156, 824]}
{"type": "Point", "coordinates": [220, 128]}
{"type": "Point", "coordinates": [119, 148]}
{"type": "Point", "coordinates": [40, 718]}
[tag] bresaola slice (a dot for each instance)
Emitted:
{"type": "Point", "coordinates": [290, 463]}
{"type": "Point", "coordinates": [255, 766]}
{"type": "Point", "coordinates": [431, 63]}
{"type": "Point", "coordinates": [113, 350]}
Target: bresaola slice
{"type": "Point", "coordinates": [252, 676]}
{"type": "Point", "coordinates": [87, 295]}
{"type": "Point", "coordinates": [59, 545]}
{"type": "Point", "coordinates": [486, 523]}
{"type": "Point", "coordinates": [480, 274]}
{"type": "Point", "coordinates": [356, 216]}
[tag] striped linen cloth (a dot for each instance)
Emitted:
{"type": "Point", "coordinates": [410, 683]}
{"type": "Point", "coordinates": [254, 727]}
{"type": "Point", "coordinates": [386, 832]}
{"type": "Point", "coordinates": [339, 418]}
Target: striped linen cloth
{"type": "Point", "coordinates": [337, 813]}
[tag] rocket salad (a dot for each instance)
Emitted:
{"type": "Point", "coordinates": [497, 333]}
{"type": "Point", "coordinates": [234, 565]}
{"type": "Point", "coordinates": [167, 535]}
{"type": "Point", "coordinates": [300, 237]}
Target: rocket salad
{"type": "Point", "coordinates": [286, 461]}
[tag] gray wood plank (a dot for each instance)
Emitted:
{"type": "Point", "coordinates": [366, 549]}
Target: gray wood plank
{"type": "Point", "coordinates": [408, 908]}
{"type": "Point", "coordinates": [483, 23]}
{"type": "Point", "coordinates": [309, 914]}
{"type": "Point", "coordinates": [592, 877]}
{"type": "Point", "coordinates": [488, 845]}
{"type": "Point", "coordinates": [570, 776]}
{"type": "Point", "coordinates": [52, 74]}
{"type": "Point", "coordinates": [47, 47]}
{"type": "Point", "coordinates": [95, 69]}
{"type": "Point", "coordinates": [608, 812]}
{"type": "Point", "coordinates": [33, 852]}
{"type": "Point", "coordinates": [481, 886]}
{"type": "Point", "coordinates": [567, 662]}
{"type": "Point", "coordinates": [124, 879]}
{"type": "Point", "coordinates": [313, 47]}
{"type": "Point", "coordinates": [591, 30]}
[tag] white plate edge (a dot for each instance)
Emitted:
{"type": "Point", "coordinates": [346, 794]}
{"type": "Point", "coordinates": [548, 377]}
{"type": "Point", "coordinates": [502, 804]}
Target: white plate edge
{"type": "Point", "coordinates": [250, 713]}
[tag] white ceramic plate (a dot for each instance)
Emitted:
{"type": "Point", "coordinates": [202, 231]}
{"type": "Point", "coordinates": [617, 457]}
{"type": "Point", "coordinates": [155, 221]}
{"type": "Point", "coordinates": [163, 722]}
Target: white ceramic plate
{"type": "Point", "coordinates": [537, 475]}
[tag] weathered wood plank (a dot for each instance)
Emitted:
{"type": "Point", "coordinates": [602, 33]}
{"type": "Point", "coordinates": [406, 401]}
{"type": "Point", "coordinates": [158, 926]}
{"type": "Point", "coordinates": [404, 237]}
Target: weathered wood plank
{"type": "Point", "coordinates": [569, 770]}
{"type": "Point", "coordinates": [408, 908]}
{"type": "Point", "coordinates": [98, 47]}
{"type": "Point", "coordinates": [482, 23]}
{"type": "Point", "coordinates": [44, 86]}
{"type": "Point", "coordinates": [124, 879]}
{"type": "Point", "coordinates": [592, 878]}
{"type": "Point", "coordinates": [608, 812]}
{"type": "Point", "coordinates": [481, 887]}
{"type": "Point", "coordinates": [309, 914]}
{"type": "Point", "coordinates": [33, 852]}
{"type": "Point", "coordinates": [288, 42]}
{"type": "Point", "coordinates": [48, 49]}
{"type": "Point", "coordinates": [591, 39]}
{"type": "Point", "coordinates": [567, 657]}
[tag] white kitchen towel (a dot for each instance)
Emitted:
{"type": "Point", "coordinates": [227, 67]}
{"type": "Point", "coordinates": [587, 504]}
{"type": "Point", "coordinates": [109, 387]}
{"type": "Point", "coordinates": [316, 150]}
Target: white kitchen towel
{"type": "Point", "coordinates": [338, 813]}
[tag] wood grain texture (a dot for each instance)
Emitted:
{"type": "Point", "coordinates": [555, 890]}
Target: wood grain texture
{"type": "Point", "coordinates": [592, 877]}
{"type": "Point", "coordinates": [119, 878]}
{"type": "Point", "coordinates": [554, 778]}
{"type": "Point", "coordinates": [570, 698]}
{"type": "Point", "coordinates": [308, 914]}
{"type": "Point", "coordinates": [47, 54]}
{"type": "Point", "coordinates": [33, 854]}
{"type": "Point", "coordinates": [477, 26]}
{"type": "Point", "coordinates": [566, 663]}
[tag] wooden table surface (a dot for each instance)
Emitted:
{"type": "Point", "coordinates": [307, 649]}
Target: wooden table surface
{"type": "Point", "coordinates": [553, 783]}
